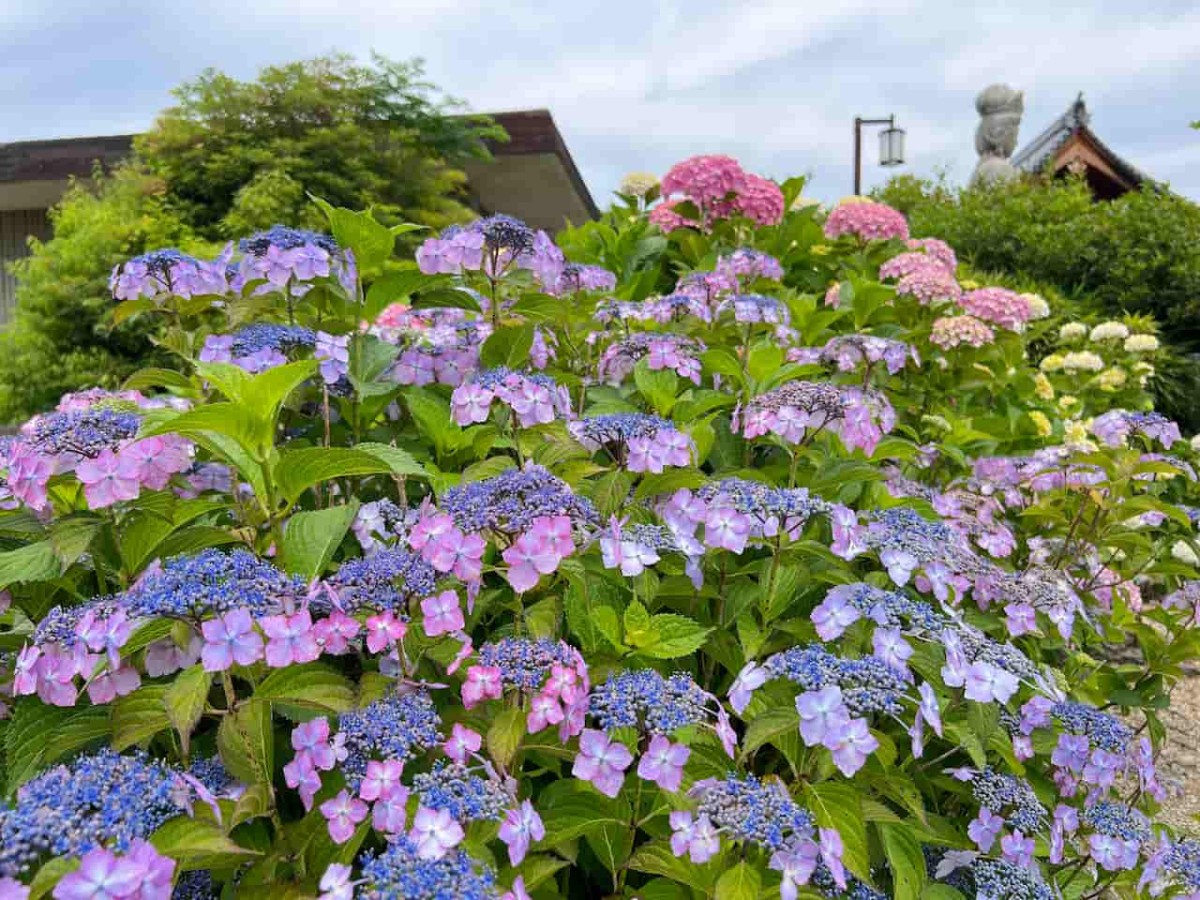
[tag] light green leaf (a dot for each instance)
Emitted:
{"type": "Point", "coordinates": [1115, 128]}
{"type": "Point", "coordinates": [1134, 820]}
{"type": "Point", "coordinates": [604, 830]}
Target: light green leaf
{"type": "Point", "coordinates": [907, 862]}
{"type": "Point", "coordinates": [399, 462]}
{"type": "Point", "coordinates": [675, 636]}
{"type": "Point", "coordinates": [298, 470]}
{"type": "Point", "coordinates": [36, 562]}
{"type": "Point", "coordinates": [372, 242]}
{"type": "Point", "coordinates": [310, 685]}
{"type": "Point", "coordinates": [742, 882]}
{"type": "Point", "coordinates": [658, 386]}
{"type": "Point", "coordinates": [185, 698]}
{"type": "Point", "coordinates": [505, 735]}
{"type": "Point", "coordinates": [139, 716]}
{"type": "Point", "coordinates": [507, 347]}
{"type": "Point", "coordinates": [197, 843]}
{"type": "Point", "coordinates": [311, 538]}
{"type": "Point", "coordinates": [245, 741]}
{"type": "Point", "coordinates": [839, 806]}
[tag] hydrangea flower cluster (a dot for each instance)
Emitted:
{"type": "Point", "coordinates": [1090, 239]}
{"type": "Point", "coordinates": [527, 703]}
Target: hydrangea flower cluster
{"type": "Point", "coordinates": [854, 352]}
{"type": "Point", "coordinates": [102, 801]}
{"type": "Point", "coordinates": [748, 265]}
{"type": "Point", "coordinates": [495, 245]}
{"type": "Point", "coordinates": [165, 273]}
{"type": "Point", "coordinates": [657, 707]}
{"type": "Point", "coordinates": [533, 399]}
{"type": "Point", "coordinates": [1114, 427]}
{"type": "Point", "coordinates": [753, 309]}
{"type": "Point", "coordinates": [839, 694]}
{"type": "Point", "coordinates": [552, 677]}
{"type": "Point", "coordinates": [999, 306]}
{"type": "Point", "coordinates": [798, 410]}
{"type": "Point", "coordinates": [260, 346]}
{"type": "Point", "coordinates": [639, 442]}
{"type": "Point", "coordinates": [719, 188]}
{"type": "Point", "coordinates": [576, 277]}
{"type": "Point", "coordinates": [94, 439]}
{"type": "Point", "coordinates": [867, 221]}
{"type": "Point", "coordinates": [444, 353]}
{"type": "Point", "coordinates": [291, 260]}
{"type": "Point", "coordinates": [678, 353]}
{"type": "Point", "coordinates": [955, 331]}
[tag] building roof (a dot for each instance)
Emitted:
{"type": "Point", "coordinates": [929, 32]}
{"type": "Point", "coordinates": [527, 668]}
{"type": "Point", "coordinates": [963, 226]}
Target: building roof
{"type": "Point", "coordinates": [1073, 130]}
{"type": "Point", "coordinates": [531, 176]}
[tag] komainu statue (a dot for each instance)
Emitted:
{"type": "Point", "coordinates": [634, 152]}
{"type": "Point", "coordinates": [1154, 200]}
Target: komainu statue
{"type": "Point", "coordinates": [1000, 108]}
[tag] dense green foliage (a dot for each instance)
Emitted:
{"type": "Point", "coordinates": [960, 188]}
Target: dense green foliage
{"type": "Point", "coordinates": [229, 158]}
{"type": "Point", "coordinates": [1138, 254]}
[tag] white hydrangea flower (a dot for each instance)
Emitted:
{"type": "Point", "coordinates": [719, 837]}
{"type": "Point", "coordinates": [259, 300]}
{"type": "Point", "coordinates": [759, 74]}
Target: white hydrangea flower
{"type": "Point", "coordinates": [1052, 363]}
{"type": "Point", "coordinates": [1183, 552]}
{"type": "Point", "coordinates": [1109, 331]}
{"type": "Point", "coordinates": [1072, 331]}
{"type": "Point", "coordinates": [1141, 343]}
{"type": "Point", "coordinates": [1038, 307]}
{"type": "Point", "coordinates": [1083, 361]}
{"type": "Point", "coordinates": [1195, 442]}
{"type": "Point", "coordinates": [638, 184]}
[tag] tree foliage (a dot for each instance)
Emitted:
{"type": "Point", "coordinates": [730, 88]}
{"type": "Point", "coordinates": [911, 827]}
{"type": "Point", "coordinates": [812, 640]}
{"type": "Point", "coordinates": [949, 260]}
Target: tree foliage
{"type": "Point", "coordinates": [229, 158]}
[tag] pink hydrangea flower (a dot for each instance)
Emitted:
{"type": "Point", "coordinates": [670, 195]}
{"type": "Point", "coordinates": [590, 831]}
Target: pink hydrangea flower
{"type": "Point", "coordinates": [334, 633]}
{"type": "Point", "coordinates": [463, 741]}
{"type": "Point", "coordinates": [693, 836]}
{"type": "Point", "coordinates": [290, 639]}
{"type": "Point", "coordinates": [443, 614]}
{"type": "Point", "coordinates": [343, 813]}
{"type": "Point", "coordinates": [602, 761]}
{"type": "Point", "coordinates": [867, 221]}
{"type": "Point", "coordinates": [663, 763]}
{"type": "Point", "coordinates": [230, 639]}
{"type": "Point", "coordinates": [383, 630]}
{"type": "Point", "coordinates": [435, 832]}
{"type": "Point", "coordinates": [380, 778]}
{"type": "Point", "coordinates": [108, 479]}
{"type": "Point", "coordinates": [483, 683]}
{"type": "Point", "coordinates": [521, 827]}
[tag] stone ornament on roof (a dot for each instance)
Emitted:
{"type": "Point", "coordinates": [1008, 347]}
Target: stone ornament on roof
{"type": "Point", "coordinates": [1000, 108]}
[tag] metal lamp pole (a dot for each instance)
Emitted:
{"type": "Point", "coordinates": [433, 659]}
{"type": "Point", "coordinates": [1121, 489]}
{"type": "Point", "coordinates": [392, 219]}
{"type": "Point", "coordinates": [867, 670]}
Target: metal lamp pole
{"type": "Point", "coordinates": [891, 147]}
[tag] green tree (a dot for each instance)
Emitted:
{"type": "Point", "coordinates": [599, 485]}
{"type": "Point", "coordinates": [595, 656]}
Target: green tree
{"type": "Point", "coordinates": [229, 158]}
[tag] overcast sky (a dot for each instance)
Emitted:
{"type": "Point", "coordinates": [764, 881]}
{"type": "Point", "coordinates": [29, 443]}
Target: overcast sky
{"type": "Point", "coordinates": [638, 84]}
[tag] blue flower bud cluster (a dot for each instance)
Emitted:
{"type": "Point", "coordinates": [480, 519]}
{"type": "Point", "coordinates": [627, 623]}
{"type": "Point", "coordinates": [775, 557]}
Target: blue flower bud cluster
{"type": "Point", "coordinates": [384, 580]}
{"type": "Point", "coordinates": [1117, 820]}
{"type": "Point", "coordinates": [284, 238]}
{"type": "Point", "coordinates": [895, 609]}
{"type": "Point", "coordinates": [1102, 730]}
{"type": "Point", "coordinates": [103, 799]}
{"type": "Point", "coordinates": [462, 793]}
{"type": "Point", "coordinates": [618, 428]}
{"type": "Point", "coordinates": [762, 501]}
{"type": "Point", "coordinates": [502, 232]}
{"type": "Point", "coordinates": [747, 809]}
{"type": "Point", "coordinates": [261, 336]}
{"type": "Point", "coordinates": [1011, 796]}
{"type": "Point", "coordinates": [394, 728]}
{"type": "Point", "coordinates": [212, 581]}
{"type": "Point", "coordinates": [869, 685]}
{"type": "Point", "coordinates": [399, 872]}
{"type": "Point", "coordinates": [86, 432]}
{"type": "Point", "coordinates": [644, 699]}
{"type": "Point", "coordinates": [511, 501]}
{"type": "Point", "coordinates": [525, 663]}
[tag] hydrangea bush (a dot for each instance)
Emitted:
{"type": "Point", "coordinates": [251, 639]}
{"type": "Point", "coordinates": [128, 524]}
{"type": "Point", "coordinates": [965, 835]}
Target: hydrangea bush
{"type": "Point", "coordinates": [738, 551]}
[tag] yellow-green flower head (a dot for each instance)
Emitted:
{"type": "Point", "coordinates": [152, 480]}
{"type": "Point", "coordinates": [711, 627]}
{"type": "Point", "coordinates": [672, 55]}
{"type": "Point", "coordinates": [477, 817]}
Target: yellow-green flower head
{"type": "Point", "coordinates": [1042, 387]}
{"type": "Point", "coordinates": [1141, 343]}
{"type": "Point", "coordinates": [1109, 331]}
{"type": "Point", "coordinates": [937, 422]}
{"type": "Point", "coordinates": [1052, 363]}
{"type": "Point", "coordinates": [1066, 401]}
{"type": "Point", "coordinates": [1041, 423]}
{"type": "Point", "coordinates": [1112, 379]}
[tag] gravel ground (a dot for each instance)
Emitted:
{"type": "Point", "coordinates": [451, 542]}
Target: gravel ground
{"type": "Point", "coordinates": [1179, 763]}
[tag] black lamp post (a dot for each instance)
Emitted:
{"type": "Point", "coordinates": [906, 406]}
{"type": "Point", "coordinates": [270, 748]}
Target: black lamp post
{"type": "Point", "coordinates": [891, 146]}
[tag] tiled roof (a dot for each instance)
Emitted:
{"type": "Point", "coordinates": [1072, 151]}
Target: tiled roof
{"type": "Point", "coordinates": [1034, 155]}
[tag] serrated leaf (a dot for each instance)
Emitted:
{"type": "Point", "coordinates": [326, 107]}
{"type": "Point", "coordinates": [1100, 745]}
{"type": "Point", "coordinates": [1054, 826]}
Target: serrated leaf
{"type": "Point", "coordinates": [311, 537]}
{"type": "Point", "coordinates": [508, 347]}
{"type": "Point", "coordinates": [139, 716]}
{"type": "Point", "coordinates": [245, 742]}
{"type": "Point", "coordinates": [312, 685]}
{"type": "Point", "coordinates": [197, 843]}
{"type": "Point", "coordinates": [839, 806]}
{"type": "Point", "coordinates": [505, 734]}
{"type": "Point", "coordinates": [185, 698]}
{"type": "Point", "coordinates": [36, 562]}
{"type": "Point", "coordinates": [675, 636]}
{"type": "Point", "coordinates": [298, 470]}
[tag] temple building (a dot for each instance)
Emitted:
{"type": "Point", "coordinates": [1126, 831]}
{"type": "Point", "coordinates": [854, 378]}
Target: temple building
{"type": "Point", "coordinates": [1070, 145]}
{"type": "Point", "coordinates": [531, 176]}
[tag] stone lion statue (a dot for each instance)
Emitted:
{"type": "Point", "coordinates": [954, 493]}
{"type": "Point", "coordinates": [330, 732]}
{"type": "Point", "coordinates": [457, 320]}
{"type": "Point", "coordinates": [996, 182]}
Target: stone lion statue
{"type": "Point", "coordinates": [1000, 108]}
